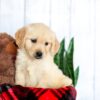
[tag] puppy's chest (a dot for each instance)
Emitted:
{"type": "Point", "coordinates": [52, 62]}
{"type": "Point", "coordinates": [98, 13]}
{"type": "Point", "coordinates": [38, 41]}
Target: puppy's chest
{"type": "Point", "coordinates": [39, 68]}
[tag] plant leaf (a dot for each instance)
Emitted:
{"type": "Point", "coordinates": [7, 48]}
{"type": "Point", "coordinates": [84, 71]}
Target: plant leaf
{"type": "Point", "coordinates": [69, 58]}
{"type": "Point", "coordinates": [71, 46]}
{"type": "Point", "coordinates": [76, 74]}
{"type": "Point", "coordinates": [67, 70]}
{"type": "Point", "coordinates": [64, 59]}
{"type": "Point", "coordinates": [58, 59]}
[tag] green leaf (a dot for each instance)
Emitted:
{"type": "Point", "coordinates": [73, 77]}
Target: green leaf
{"type": "Point", "coordinates": [76, 74]}
{"type": "Point", "coordinates": [56, 59]}
{"type": "Point", "coordinates": [69, 58]}
{"type": "Point", "coordinates": [67, 70]}
{"type": "Point", "coordinates": [64, 59]}
{"type": "Point", "coordinates": [70, 49]}
{"type": "Point", "coordinates": [60, 55]}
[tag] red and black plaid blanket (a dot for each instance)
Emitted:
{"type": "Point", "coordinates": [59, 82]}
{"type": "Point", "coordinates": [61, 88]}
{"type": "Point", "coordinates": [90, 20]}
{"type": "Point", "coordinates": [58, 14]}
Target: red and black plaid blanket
{"type": "Point", "coordinates": [9, 92]}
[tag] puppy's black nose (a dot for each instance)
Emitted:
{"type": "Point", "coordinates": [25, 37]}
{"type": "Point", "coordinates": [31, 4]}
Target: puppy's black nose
{"type": "Point", "coordinates": [38, 55]}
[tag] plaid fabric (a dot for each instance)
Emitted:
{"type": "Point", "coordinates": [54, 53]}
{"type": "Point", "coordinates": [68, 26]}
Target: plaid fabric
{"type": "Point", "coordinates": [8, 92]}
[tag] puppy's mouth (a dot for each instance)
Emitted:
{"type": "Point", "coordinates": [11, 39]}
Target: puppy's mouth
{"type": "Point", "coordinates": [38, 55]}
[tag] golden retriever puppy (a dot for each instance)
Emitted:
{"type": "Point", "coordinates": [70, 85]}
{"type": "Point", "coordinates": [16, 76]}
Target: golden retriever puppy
{"type": "Point", "coordinates": [34, 64]}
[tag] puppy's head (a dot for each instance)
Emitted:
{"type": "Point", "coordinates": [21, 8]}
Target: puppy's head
{"type": "Point", "coordinates": [38, 40]}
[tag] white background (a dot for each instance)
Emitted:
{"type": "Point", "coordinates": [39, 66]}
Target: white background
{"type": "Point", "coordinates": [68, 18]}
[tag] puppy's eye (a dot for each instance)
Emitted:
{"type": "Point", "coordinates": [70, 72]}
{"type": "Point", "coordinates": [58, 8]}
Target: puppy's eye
{"type": "Point", "coordinates": [46, 43]}
{"type": "Point", "coordinates": [33, 40]}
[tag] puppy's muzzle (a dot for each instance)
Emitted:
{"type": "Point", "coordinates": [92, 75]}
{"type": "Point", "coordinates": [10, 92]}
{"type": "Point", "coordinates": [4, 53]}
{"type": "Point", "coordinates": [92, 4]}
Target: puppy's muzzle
{"type": "Point", "coordinates": [38, 55]}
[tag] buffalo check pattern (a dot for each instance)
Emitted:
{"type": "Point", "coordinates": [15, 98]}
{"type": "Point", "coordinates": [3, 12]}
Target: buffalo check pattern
{"type": "Point", "coordinates": [17, 92]}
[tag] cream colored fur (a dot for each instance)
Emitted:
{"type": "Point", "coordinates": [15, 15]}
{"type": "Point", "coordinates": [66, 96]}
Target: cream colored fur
{"type": "Point", "coordinates": [38, 72]}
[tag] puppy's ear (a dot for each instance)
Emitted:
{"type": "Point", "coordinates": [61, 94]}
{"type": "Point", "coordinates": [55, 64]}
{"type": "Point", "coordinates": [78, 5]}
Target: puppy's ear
{"type": "Point", "coordinates": [55, 47]}
{"type": "Point", "coordinates": [20, 34]}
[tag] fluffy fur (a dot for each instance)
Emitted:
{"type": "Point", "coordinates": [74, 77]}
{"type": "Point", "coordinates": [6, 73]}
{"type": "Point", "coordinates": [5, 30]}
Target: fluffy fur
{"type": "Point", "coordinates": [32, 70]}
{"type": "Point", "coordinates": [8, 51]}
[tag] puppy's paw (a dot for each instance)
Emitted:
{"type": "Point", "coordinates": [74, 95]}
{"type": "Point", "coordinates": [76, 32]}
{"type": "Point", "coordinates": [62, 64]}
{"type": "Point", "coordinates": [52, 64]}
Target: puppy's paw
{"type": "Point", "coordinates": [19, 83]}
{"type": "Point", "coordinates": [61, 82]}
{"type": "Point", "coordinates": [67, 81]}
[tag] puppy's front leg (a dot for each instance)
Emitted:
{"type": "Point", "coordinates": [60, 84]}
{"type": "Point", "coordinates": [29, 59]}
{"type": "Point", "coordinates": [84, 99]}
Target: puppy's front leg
{"type": "Point", "coordinates": [58, 79]}
{"type": "Point", "coordinates": [19, 77]}
{"type": "Point", "coordinates": [31, 78]}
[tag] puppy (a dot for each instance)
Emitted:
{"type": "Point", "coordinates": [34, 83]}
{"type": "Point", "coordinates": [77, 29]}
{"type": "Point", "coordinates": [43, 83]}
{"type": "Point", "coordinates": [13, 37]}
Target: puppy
{"type": "Point", "coordinates": [34, 64]}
